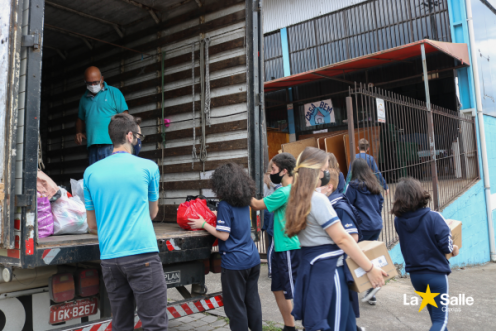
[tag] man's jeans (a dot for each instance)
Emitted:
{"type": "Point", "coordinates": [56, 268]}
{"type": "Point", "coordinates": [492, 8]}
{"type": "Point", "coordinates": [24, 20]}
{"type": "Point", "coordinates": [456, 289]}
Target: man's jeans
{"type": "Point", "coordinates": [136, 280]}
{"type": "Point", "coordinates": [99, 152]}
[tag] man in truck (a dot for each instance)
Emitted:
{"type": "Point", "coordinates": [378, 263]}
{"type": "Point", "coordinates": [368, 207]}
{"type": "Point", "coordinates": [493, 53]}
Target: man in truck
{"type": "Point", "coordinates": [121, 197]}
{"type": "Point", "coordinates": [97, 106]}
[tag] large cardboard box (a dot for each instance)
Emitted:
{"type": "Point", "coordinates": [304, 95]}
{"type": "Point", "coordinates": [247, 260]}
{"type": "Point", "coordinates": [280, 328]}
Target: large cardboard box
{"type": "Point", "coordinates": [377, 252]}
{"type": "Point", "coordinates": [456, 234]}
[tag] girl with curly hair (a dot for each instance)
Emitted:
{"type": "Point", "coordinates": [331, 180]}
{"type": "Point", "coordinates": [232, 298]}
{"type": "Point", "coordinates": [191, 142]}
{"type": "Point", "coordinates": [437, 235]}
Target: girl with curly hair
{"type": "Point", "coordinates": [323, 239]}
{"type": "Point", "coordinates": [425, 238]}
{"type": "Point", "coordinates": [240, 259]}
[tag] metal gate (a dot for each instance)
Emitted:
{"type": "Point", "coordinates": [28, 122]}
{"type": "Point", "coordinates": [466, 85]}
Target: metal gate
{"type": "Point", "coordinates": [438, 147]}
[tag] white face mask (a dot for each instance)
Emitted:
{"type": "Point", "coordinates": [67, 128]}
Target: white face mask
{"type": "Point", "coordinates": [94, 88]}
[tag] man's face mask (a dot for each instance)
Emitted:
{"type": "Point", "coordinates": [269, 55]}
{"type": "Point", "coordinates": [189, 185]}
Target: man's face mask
{"type": "Point", "coordinates": [137, 147]}
{"type": "Point", "coordinates": [94, 88]}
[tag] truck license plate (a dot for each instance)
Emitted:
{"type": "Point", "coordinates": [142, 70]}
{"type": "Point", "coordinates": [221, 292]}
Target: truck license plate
{"type": "Point", "coordinates": [71, 310]}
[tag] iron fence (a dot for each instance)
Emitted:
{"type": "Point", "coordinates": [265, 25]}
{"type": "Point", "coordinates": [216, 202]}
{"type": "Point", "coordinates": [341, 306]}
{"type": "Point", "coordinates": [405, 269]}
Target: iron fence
{"type": "Point", "coordinates": [442, 156]}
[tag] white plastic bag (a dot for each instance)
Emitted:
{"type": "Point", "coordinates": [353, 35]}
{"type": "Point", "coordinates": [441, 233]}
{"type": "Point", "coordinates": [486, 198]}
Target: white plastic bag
{"type": "Point", "coordinates": [77, 187]}
{"type": "Point", "coordinates": [69, 215]}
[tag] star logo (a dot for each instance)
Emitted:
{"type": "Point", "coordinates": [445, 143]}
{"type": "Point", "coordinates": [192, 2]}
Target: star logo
{"type": "Point", "coordinates": [427, 298]}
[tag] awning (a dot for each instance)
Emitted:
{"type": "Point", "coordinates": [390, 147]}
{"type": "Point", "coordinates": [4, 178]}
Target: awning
{"type": "Point", "coordinates": [400, 53]}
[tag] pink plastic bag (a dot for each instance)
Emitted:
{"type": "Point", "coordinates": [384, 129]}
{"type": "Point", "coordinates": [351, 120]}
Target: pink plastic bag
{"type": "Point", "coordinates": [45, 217]}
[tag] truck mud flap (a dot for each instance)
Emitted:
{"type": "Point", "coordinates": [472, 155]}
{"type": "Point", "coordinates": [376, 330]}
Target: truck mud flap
{"type": "Point", "coordinates": [174, 310]}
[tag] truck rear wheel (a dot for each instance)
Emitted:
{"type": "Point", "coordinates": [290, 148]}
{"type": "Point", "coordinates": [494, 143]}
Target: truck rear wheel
{"type": "Point", "coordinates": [14, 315]}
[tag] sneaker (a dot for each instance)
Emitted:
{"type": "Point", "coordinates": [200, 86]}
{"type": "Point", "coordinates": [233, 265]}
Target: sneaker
{"type": "Point", "coordinates": [370, 296]}
{"type": "Point", "coordinates": [360, 328]}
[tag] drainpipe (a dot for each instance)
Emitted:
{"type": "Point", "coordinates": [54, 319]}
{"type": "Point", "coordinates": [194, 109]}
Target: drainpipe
{"type": "Point", "coordinates": [482, 136]}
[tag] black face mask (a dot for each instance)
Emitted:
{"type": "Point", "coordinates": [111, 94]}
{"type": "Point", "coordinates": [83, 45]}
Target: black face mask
{"type": "Point", "coordinates": [276, 179]}
{"type": "Point", "coordinates": [137, 147]}
{"type": "Point", "coordinates": [325, 180]}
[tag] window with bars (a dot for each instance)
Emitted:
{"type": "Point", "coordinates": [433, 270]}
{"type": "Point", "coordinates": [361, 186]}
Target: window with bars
{"type": "Point", "coordinates": [273, 56]}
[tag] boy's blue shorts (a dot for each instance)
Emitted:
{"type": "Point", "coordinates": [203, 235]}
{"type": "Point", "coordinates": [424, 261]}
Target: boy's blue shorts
{"type": "Point", "coordinates": [284, 266]}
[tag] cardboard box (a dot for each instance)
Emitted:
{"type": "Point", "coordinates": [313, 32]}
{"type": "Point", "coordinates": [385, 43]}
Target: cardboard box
{"type": "Point", "coordinates": [377, 252]}
{"type": "Point", "coordinates": [456, 234]}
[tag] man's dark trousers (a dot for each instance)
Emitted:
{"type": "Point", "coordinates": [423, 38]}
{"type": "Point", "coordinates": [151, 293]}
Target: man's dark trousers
{"type": "Point", "coordinates": [99, 152]}
{"type": "Point", "coordinates": [136, 280]}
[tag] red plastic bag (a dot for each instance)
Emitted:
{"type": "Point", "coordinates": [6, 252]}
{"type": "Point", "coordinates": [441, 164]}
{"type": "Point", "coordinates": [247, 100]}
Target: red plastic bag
{"type": "Point", "coordinates": [194, 209]}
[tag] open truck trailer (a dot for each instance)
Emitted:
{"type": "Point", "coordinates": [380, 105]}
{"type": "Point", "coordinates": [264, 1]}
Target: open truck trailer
{"type": "Point", "coordinates": [152, 51]}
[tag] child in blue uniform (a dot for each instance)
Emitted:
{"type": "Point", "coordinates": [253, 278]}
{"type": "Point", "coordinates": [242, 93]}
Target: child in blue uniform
{"type": "Point", "coordinates": [240, 259]}
{"type": "Point", "coordinates": [350, 220]}
{"type": "Point", "coordinates": [310, 216]}
{"type": "Point", "coordinates": [425, 238]}
{"type": "Point", "coordinates": [363, 149]}
{"type": "Point", "coordinates": [364, 193]}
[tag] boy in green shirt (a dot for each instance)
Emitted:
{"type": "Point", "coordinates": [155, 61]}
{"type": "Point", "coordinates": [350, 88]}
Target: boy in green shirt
{"type": "Point", "coordinates": [285, 258]}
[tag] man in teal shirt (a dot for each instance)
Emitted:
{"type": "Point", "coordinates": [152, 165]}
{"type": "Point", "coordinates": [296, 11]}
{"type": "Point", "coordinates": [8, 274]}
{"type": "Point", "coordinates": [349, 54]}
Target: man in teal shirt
{"type": "Point", "coordinates": [97, 106]}
{"type": "Point", "coordinates": [121, 196]}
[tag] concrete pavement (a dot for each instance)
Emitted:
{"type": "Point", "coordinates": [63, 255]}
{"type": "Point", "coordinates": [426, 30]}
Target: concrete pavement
{"type": "Point", "coordinates": [389, 314]}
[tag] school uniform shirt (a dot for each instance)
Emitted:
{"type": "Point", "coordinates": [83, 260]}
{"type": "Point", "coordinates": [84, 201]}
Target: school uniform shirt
{"type": "Point", "coordinates": [276, 203]}
{"type": "Point", "coordinates": [238, 251]}
{"type": "Point", "coordinates": [321, 216]}
{"type": "Point", "coordinates": [425, 238]}
{"type": "Point", "coordinates": [372, 165]}
{"type": "Point", "coordinates": [368, 205]}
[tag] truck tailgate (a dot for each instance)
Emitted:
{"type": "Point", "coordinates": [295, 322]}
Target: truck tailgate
{"type": "Point", "coordinates": [175, 245]}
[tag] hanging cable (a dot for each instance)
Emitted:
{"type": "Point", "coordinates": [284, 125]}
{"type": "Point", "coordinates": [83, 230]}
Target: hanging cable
{"type": "Point", "coordinates": [203, 147]}
{"type": "Point", "coordinates": [163, 127]}
{"type": "Point", "coordinates": [194, 156]}
{"type": "Point", "coordinates": [163, 101]}
{"type": "Point", "coordinates": [207, 81]}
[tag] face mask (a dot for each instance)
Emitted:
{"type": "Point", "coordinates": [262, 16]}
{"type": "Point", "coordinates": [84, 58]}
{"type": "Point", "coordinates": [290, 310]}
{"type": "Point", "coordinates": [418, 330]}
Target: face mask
{"type": "Point", "coordinates": [325, 180]}
{"type": "Point", "coordinates": [137, 147]}
{"type": "Point", "coordinates": [94, 88]}
{"type": "Point", "coordinates": [276, 178]}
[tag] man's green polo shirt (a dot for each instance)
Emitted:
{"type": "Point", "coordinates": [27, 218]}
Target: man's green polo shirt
{"type": "Point", "coordinates": [97, 111]}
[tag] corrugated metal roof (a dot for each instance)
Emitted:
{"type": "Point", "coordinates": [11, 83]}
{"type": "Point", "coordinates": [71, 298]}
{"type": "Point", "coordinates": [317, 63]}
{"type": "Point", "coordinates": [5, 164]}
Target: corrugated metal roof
{"type": "Point", "coordinates": [283, 13]}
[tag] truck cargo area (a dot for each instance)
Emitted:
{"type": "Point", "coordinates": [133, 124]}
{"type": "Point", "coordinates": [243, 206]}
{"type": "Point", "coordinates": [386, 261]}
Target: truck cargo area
{"type": "Point", "coordinates": [185, 34]}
